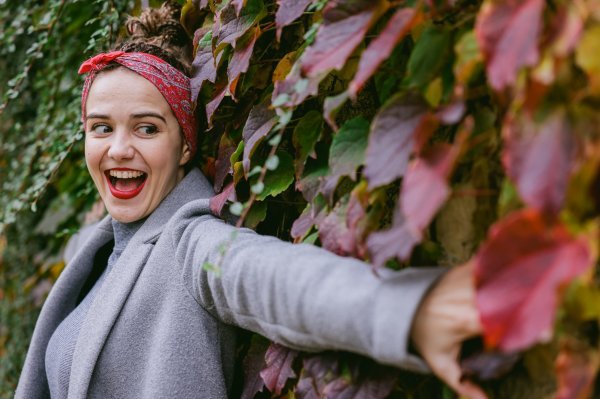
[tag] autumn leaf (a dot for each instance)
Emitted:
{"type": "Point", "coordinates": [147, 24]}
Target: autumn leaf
{"type": "Point", "coordinates": [423, 192]}
{"type": "Point", "coordinates": [508, 33]}
{"type": "Point", "coordinates": [392, 138]}
{"type": "Point", "coordinates": [240, 60]}
{"type": "Point", "coordinates": [287, 12]}
{"type": "Point", "coordinates": [346, 154]}
{"type": "Point", "coordinates": [539, 158]}
{"type": "Point", "coordinates": [344, 27]}
{"type": "Point", "coordinates": [279, 367]}
{"type": "Point", "coordinates": [223, 163]}
{"type": "Point", "coordinates": [230, 27]}
{"type": "Point", "coordinates": [217, 202]}
{"type": "Point", "coordinates": [306, 134]}
{"type": "Point", "coordinates": [317, 371]}
{"type": "Point", "coordinates": [258, 125]}
{"type": "Point", "coordinates": [338, 231]}
{"type": "Point", "coordinates": [203, 66]}
{"type": "Point", "coordinates": [381, 47]}
{"type": "Point", "coordinates": [212, 105]}
{"type": "Point", "coordinates": [518, 272]}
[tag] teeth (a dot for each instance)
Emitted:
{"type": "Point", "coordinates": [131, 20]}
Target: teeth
{"type": "Point", "coordinates": [125, 174]}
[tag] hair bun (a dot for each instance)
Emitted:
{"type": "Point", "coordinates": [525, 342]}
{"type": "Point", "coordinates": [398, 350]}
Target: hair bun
{"type": "Point", "coordinates": [160, 27]}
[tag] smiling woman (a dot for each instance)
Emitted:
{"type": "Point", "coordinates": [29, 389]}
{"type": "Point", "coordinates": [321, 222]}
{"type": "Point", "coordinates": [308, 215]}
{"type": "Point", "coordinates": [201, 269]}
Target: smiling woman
{"type": "Point", "coordinates": [134, 149]}
{"type": "Point", "coordinates": [135, 315]}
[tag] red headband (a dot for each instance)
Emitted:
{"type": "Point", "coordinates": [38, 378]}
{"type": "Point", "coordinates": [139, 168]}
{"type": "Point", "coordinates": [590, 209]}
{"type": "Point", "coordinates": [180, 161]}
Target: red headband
{"type": "Point", "coordinates": [172, 84]}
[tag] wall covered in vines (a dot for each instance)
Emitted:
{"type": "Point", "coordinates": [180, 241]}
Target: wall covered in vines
{"type": "Point", "coordinates": [431, 132]}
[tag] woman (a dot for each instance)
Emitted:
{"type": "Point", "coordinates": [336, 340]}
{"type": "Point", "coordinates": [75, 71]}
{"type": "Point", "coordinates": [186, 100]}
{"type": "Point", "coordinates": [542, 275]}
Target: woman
{"type": "Point", "coordinates": [134, 314]}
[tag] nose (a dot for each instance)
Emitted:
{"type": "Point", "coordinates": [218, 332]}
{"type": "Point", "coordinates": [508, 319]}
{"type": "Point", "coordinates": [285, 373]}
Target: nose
{"type": "Point", "coordinates": [121, 146]}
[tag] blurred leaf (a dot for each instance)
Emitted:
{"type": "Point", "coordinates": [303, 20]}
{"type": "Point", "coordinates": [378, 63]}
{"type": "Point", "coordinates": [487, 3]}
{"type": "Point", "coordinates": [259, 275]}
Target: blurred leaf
{"type": "Point", "coordinates": [540, 158]}
{"type": "Point", "coordinates": [518, 272]}
{"type": "Point", "coordinates": [429, 55]}
{"type": "Point", "coordinates": [508, 34]}
{"type": "Point", "coordinates": [381, 47]}
{"type": "Point", "coordinates": [392, 138]}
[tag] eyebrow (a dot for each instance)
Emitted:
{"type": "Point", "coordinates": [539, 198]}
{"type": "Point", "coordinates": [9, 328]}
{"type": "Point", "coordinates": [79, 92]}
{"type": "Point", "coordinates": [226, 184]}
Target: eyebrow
{"type": "Point", "coordinates": [135, 116]}
{"type": "Point", "coordinates": [151, 114]}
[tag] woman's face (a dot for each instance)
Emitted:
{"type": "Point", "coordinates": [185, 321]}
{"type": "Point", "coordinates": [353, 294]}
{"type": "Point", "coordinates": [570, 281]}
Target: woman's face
{"type": "Point", "coordinates": [134, 150]}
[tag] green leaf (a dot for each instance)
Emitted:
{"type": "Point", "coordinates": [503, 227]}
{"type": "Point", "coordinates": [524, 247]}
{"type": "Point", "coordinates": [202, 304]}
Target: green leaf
{"type": "Point", "coordinates": [305, 136]}
{"type": "Point", "coordinates": [278, 180]}
{"type": "Point", "coordinates": [429, 55]}
{"type": "Point", "coordinates": [347, 153]}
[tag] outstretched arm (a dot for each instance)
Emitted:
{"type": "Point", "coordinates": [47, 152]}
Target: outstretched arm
{"type": "Point", "coordinates": [299, 295]}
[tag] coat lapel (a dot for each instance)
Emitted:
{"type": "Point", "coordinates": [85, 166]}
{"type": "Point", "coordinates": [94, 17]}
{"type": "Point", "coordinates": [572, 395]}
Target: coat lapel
{"type": "Point", "coordinates": [60, 302]}
{"type": "Point", "coordinates": [117, 286]}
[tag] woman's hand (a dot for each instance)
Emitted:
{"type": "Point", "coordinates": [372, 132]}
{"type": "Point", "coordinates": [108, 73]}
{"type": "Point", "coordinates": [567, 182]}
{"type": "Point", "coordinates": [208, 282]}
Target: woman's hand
{"type": "Point", "coordinates": [447, 317]}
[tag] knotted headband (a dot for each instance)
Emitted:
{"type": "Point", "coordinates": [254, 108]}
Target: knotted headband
{"type": "Point", "coordinates": [172, 84]}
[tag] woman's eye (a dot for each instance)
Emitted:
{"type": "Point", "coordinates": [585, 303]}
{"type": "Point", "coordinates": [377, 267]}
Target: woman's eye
{"type": "Point", "coordinates": [101, 129]}
{"type": "Point", "coordinates": [148, 129]}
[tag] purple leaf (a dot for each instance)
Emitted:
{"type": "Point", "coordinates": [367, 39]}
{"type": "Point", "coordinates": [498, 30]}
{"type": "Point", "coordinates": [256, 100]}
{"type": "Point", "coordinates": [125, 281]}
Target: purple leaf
{"type": "Point", "coordinates": [287, 12]}
{"type": "Point", "coordinates": [392, 138]}
{"type": "Point", "coordinates": [279, 367]}
{"type": "Point", "coordinates": [259, 123]}
{"type": "Point", "coordinates": [381, 47]}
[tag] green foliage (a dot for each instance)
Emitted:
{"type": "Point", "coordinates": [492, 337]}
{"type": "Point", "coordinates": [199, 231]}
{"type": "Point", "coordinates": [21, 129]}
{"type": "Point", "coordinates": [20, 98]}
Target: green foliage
{"type": "Point", "coordinates": [44, 183]}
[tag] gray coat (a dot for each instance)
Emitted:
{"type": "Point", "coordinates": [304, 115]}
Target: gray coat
{"type": "Point", "coordinates": [161, 324]}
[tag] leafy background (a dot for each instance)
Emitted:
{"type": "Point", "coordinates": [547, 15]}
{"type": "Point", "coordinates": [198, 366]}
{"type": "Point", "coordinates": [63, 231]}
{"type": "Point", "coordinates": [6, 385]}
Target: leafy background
{"type": "Point", "coordinates": [398, 132]}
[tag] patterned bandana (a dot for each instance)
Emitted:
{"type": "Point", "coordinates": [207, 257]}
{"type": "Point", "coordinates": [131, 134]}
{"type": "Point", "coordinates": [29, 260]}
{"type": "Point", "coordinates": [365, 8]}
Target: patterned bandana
{"type": "Point", "coordinates": [173, 85]}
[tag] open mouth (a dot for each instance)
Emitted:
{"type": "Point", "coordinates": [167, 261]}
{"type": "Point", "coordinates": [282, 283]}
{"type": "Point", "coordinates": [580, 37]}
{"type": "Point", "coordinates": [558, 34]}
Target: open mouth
{"type": "Point", "coordinates": [125, 183]}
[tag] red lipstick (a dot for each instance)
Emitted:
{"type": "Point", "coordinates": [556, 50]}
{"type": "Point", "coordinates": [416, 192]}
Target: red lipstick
{"type": "Point", "coordinates": [122, 194]}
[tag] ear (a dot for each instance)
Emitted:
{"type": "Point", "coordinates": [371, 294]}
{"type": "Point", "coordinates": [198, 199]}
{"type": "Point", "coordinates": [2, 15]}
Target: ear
{"type": "Point", "coordinates": [186, 154]}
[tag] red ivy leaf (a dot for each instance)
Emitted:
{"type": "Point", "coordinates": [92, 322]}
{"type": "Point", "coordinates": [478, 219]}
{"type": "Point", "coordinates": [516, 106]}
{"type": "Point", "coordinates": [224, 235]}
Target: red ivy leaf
{"type": "Point", "coordinates": [540, 159]}
{"type": "Point", "coordinates": [508, 34]}
{"type": "Point", "coordinates": [424, 190]}
{"type": "Point", "coordinates": [287, 12]}
{"type": "Point", "coordinates": [217, 202]}
{"type": "Point", "coordinates": [279, 367]}
{"type": "Point", "coordinates": [518, 271]}
{"type": "Point", "coordinates": [339, 232]}
{"type": "Point", "coordinates": [576, 369]}
{"type": "Point", "coordinates": [344, 27]}
{"type": "Point", "coordinates": [223, 162]}
{"type": "Point", "coordinates": [381, 47]}
{"type": "Point", "coordinates": [392, 138]}
{"type": "Point", "coordinates": [258, 125]}
{"type": "Point", "coordinates": [310, 216]}
{"type": "Point", "coordinates": [241, 56]}
{"type": "Point", "coordinates": [212, 106]}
